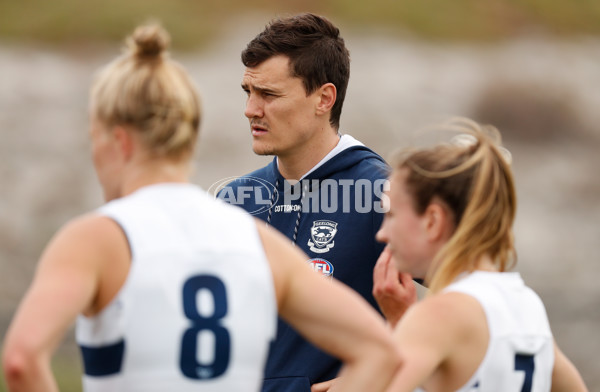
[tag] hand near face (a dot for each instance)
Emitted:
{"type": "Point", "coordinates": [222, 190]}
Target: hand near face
{"type": "Point", "coordinates": [322, 386]}
{"type": "Point", "coordinates": [393, 290]}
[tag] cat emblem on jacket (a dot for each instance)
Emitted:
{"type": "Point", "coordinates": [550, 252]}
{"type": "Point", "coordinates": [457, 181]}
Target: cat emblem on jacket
{"type": "Point", "coordinates": [321, 236]}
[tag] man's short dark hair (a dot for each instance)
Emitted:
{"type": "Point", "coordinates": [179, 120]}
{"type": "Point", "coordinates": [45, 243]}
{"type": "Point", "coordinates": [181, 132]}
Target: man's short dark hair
{"type": "Point", "coordinates": [316, 51]}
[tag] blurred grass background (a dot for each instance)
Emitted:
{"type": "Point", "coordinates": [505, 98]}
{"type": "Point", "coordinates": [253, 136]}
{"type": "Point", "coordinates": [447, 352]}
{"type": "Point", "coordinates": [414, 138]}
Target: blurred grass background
{"type": "Point", "coordinates": [193, 23]}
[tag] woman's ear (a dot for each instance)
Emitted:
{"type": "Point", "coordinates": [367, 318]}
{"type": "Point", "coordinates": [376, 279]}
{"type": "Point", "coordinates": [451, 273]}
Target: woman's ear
{"type": "Point", "coordinates": [125, 141]}
{"type": "Point", "coordinates": [437, 222]}
{"type": "Point", "coordinates": [327, 95]}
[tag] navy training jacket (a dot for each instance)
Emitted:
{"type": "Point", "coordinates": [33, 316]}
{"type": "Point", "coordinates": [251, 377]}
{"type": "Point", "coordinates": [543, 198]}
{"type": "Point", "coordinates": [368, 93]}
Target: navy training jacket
{"type": "Point", "coordinates": [332, 215]}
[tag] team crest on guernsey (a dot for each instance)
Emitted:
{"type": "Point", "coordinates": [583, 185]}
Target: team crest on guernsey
{"type": "Point", "coordinates": [321, 236]}
{"type": "Point", "coordinates": [322, 266]}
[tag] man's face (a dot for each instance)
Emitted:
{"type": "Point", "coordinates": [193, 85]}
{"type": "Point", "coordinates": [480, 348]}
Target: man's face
{"type": "Point", "coordinates": [282, 116]}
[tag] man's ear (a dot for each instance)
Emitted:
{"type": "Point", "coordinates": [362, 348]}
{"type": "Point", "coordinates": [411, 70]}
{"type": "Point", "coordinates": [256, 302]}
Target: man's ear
{"type": "Point", "coordinates": [125, 141]}
{"type": "Point", "coordinates": [327, 95]}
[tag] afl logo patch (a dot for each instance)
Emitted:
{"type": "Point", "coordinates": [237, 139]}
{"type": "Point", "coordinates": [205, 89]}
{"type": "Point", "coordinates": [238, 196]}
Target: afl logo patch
{"type": "Point", "coordinates": [322, 266]}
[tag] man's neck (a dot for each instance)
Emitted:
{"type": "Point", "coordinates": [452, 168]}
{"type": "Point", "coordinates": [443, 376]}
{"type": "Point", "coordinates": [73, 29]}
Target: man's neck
{"type": "Point", "coordinates": [293, 166]}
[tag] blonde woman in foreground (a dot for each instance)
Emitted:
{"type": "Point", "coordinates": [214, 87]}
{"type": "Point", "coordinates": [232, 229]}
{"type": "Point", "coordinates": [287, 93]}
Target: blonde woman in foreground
{"type": "Point", "coordinates": [172, 290]}
{"type": "Point", "coordinates": [480, 329]}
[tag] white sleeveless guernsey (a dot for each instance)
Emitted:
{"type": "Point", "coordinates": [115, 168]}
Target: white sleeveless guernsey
{"type": "Point", "coordinates": [520, 354]}
{"type": "Point", "coordinates": [197, 311]}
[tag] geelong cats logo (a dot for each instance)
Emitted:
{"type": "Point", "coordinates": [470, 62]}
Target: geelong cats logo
{"type": "Point", "coordinates": [321, 236]}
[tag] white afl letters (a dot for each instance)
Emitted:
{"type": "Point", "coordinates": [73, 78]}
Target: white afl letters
{"type": "Point", "coordinates": [520, 355]}
{"type": "Point", "coordinates": [197, 311]}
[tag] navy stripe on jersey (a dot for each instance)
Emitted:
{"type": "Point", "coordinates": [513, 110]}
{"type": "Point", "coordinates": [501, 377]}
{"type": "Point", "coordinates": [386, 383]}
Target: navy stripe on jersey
{"type": "Point", "coordinates": [103, 360]}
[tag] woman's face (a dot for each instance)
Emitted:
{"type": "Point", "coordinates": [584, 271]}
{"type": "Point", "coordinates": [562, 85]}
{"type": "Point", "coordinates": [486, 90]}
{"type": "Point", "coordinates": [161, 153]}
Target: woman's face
{"type": "Point", "coordinates": [106, 157]}
{"type": "Point", "coordinates": [404, 230]}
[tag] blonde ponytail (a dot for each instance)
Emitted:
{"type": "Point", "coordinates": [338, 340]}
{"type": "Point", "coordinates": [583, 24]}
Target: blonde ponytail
{"type": "Point", "coordinates": [472, 176]}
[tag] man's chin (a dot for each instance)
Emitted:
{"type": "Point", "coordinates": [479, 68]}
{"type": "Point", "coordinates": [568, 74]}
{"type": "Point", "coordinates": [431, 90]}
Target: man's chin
{"type": "Point", "coordinates": [262, 150]}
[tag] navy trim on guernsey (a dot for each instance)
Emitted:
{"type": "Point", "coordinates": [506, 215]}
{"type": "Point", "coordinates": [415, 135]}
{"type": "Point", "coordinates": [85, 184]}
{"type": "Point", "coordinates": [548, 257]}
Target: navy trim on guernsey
{"type": "Point", "coordinates": [103, 360]}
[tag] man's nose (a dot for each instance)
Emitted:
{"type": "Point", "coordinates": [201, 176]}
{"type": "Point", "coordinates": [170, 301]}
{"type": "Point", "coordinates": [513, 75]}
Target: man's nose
{"type": "Point", "coordinates": [254, 107]}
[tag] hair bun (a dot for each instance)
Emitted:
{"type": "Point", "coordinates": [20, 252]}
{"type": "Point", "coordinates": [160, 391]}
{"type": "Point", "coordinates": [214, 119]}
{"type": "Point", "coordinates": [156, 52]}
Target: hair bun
{"type": "Point", "coordinates": [149, 40]}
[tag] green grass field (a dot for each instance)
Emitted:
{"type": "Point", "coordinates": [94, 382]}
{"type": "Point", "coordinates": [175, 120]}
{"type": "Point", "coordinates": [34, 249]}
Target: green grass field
{"type": "Point", "coordinates": [192, 23]}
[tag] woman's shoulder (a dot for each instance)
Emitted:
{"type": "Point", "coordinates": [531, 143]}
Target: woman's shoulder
{"type": "Point", "coordinates": [454, 313]}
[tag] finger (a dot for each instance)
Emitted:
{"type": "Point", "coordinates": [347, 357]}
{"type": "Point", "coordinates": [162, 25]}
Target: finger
{"type": "Point", "coordinates": [384, 258]}
{"type": "Point", "coordinates": [405, 279]}
{"type": "Point", "coordinates": [380, 270]}
{"type": "Point", "coordinates": [391, 272]}
{"type": "Point", "coordinates": [410, 289]}
{"type": "Point", "coordinates": [322, 386]}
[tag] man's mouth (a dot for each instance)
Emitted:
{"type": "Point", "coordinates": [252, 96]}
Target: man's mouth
{"type": "Point", "coordinates": [258, 130]}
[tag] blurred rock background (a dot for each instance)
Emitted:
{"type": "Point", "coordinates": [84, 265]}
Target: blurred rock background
{"type": "Point", "coordinates": [529, 67]}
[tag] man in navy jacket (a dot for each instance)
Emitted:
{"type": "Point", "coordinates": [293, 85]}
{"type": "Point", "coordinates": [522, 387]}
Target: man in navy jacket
{"type": "Point", "coordinates": [323, 190]}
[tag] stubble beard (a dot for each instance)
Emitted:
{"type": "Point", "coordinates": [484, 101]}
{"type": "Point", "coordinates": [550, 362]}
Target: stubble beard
{"type": "Point", "coordinates": [263, 151]}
